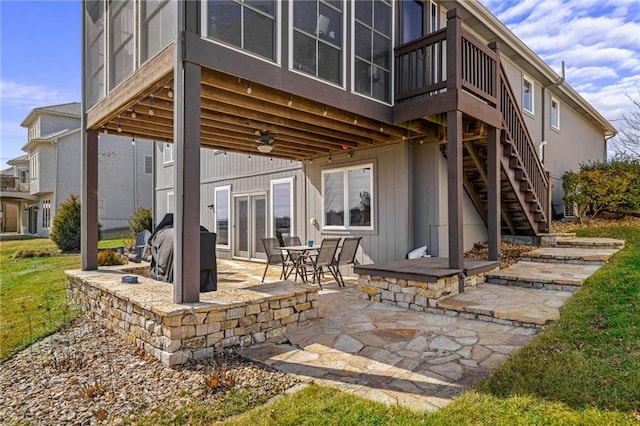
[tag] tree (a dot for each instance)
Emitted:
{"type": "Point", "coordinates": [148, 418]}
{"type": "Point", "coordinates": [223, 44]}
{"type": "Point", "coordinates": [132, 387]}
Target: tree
{"type": "Point", "coordinates": [627, 143]}
{"type": "Point", "coordinates": [142, 219]}
{"type": "Point", "coordinates": [65, 231]}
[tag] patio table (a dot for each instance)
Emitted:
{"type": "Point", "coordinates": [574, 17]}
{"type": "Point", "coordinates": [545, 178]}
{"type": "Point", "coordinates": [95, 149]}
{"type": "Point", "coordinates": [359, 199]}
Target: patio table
{"type": "Point", "coordinates": [298, 253]}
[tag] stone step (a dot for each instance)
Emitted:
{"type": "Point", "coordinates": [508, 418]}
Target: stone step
{"type": "Point", "coordinates": [539, 275]}
{"type": "Point", "coordinates": [580, 242]}
{"type": "Point", "coordinates": [505, 305]}
{"type": "Point", "coordinates": [572, 255]}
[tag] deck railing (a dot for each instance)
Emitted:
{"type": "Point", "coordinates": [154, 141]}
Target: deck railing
{"type": "Point", "coordinates": [421, 65]}
{"type": "Point", "coordinates": [13, 184]}
{"type": "Point", "coordinates": [517, 133]}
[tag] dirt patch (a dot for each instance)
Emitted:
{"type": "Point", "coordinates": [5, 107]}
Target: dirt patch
{"type": "Point", "coordinates": [511, 252]}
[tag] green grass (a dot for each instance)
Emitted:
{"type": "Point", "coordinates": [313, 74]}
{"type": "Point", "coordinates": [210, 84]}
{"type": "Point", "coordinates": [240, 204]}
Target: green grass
{"type": "Point", "coordinates": [33, 292]}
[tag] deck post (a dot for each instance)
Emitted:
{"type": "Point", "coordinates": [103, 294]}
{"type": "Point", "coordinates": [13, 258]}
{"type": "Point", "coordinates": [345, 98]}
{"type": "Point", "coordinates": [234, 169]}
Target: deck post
{"type": "Point", "coordinates": [454, 189]}
{"type": "Point", "coordinates": [186, 137]}
{"type": "Point", "coordinates": [89, 200]}
{"type": "Point", "coordinates": [493, 192]}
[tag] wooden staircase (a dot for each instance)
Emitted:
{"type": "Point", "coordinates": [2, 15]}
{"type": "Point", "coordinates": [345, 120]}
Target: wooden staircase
{"type": "Point", "coordinates": [524, 186]}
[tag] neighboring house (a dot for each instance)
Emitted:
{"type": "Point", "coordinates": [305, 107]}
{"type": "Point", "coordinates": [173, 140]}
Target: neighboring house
{"type": "Point", "coordinates": [51, 171]}
{"type": "Point", "coordinates": [401, 121]}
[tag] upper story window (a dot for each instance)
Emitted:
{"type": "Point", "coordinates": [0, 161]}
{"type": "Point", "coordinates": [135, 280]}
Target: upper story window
{"type": "Point", "coordinates": [167, 154]}
{"type": "Point", "coordinates": [121, 42]}
{"type": "Point", "coordinates": [95, 42]}
{"type": "Point", "coordinates": [412, 20]}
{"type": "Point", "coordinates": [34, 166]}
{"type": "Point", "coordinates": [46, 213]}
{"type": "Point", "coordinates": [347, 197]}
{"type": "Point", "coordinates": [250, 25]}
{"type": "Point", "coordinates": [318, 41]}
{"type": "Point", "coordinates": [555, 114]}
{"type": "Point", "coordinates": [34, 131]}
{"type": "Point", "coordinates": [158, 26]}
{"type": "Point", "coordinates": [372, 38]}
{"type": "Point", "coordinates": [527, 95]}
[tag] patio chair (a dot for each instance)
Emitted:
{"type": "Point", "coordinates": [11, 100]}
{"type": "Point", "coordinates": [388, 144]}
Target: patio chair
{"type": "Point", "coordinates": [292, 241]}
{"type": "Point", "coordinates": [142, 242]}
{"type": "Point", "coordinates": [275, 257]}
{"type": "Point", "coordinates": [347, 256]}
{"type": "Point", "coordinates": [324, 259]}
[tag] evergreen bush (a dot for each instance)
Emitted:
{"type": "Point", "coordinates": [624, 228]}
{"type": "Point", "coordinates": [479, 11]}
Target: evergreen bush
{"type": "Point", "coordinates": [65, 231]}
{"type": "Point", "coordinates": [141, 220]}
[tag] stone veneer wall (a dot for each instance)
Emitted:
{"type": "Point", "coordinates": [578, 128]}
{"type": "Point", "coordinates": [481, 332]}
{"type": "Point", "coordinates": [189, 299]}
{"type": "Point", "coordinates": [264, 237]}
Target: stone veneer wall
{"type": "Point", "coordinates": [415, 295]}
{"type": "Point", "coordinates": [194, 332]}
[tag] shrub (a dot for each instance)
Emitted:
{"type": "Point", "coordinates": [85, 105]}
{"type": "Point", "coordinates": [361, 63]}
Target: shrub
{"type": "Point", "coordinates": [140, 221]}
{"type": "Point", "coordinates": [65, 231]}
{"type": "Point", "coordinates": [110, 257]}
{"type": "Point", "coordinates": [613, 187]}
{"type": "Point", "coordinates": [27, 253]}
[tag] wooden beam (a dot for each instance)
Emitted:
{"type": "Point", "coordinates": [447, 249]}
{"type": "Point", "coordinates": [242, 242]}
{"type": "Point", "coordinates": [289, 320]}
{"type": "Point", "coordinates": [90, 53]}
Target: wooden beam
{"type": "Point", "coordinates": [455, 188]}
{"type": "Point", "coordinates": [89, 200]}
{"type": "Point", "coordinates": [494, 209]}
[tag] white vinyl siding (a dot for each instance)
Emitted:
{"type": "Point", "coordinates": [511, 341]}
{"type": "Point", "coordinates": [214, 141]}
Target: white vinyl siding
{"type": "Point", "coordinates": [167, 154]}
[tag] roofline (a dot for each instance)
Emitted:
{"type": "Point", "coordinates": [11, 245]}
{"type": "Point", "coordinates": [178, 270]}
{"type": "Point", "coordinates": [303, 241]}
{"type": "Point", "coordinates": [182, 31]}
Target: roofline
{"type": "Point", "coordinates": [484, 15]}
{"type": "Point", "coordinates": [40, 110]}
{"type": "Point", "coordinates": [37, 141]}
{"type": "Point", "coordinates": [23, 157]}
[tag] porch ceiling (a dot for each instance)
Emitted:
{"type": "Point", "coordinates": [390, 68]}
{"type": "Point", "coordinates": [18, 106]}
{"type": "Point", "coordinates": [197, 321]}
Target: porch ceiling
{"type": "Point", "coordinates": [234, 111]}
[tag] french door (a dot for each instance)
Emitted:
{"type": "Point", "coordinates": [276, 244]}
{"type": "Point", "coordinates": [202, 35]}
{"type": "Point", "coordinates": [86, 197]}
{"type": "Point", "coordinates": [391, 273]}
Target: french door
{"type": "Point", "coordinates": [249, 225]}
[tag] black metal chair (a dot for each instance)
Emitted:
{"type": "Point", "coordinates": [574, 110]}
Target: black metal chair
{"type": "Point", "coordinates": [347, 256]}
{"type": "Point", "coordinates": [275, 257]}
{"type": "Point", "coordinates": [292, 241]}
{"type": "Point", "coordinates": [324, 259]}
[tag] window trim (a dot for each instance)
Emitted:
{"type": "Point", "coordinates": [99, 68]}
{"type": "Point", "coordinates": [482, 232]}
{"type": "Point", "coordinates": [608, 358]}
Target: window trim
{"type": "Point", "coordinates": [272, 183]}
{"type": "Point", "coordinates": [557, 114]}
{"type": "Point", "coordinates": [343, 48]}
{"type": "Point", "coordinates": [215, 214]}
{"type": "Point", "coordinates": [170, 204]}
{"type": "Point", "coordinates": [391, 57]}
{"type": "Point", "coordinates": [529, 80]}
{"type": "Point", "coordinates": [345, 170]}
{"type": "Point", "coordinates": [204, 9]}
{"type": "Point", "coordinates": [34, 166]}
{"type": "Point", "coordinates": [167, 161]}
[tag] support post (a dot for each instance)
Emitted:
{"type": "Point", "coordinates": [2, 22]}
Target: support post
{"type": "Point", "coordinates": [186, 137]}
{"type": "Point", "coordinates": [89, 200]}
{"type": "Point", "coordinates": [89, 172]}
{"type": "Point", "coordinates": [494, 149]}
{"type": "Point", "coordinates": [454, 189]}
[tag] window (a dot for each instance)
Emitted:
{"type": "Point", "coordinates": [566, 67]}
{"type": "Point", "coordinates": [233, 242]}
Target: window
{"type": "Point", "coordinates": [121, 43]}
{"type": "Point", "coordinates": [170, 201]}
{"type": "Point", "coordinates": [148, 164]}
{"type": "Point", "coordinates": [46, 213]}
{"type": "Point", "coordinates": [348, 190]}
{"type": "Point", "coordinates": [412, 20]}
{"type": "Point", "coordinates": [250, 25]}
{"type": "Point", "coordinates": [555, 114]}
{"type": "Point", "coordinates": [318, 39]}
{"type": "Point", "coordinates": [34, 167]}
{"type": "Point", "coordinates": [222, 214]}
{"type": "Point", "coordinates": [102, 207]}
{"type": "Point", "coordinates": [527, 95]}
{"type": "Point", "coordinates": [282, 208]}
{"type": "Point", "coordinates": [24, 175]}
{"type": "Point", "coordinates": [373, 48]}
{"type": "Point", "coordinates": [95, 42]}
{"type": "Point", "coordinates": [158, 26]}
{"type": "Point", "coordinates": [167, 154]}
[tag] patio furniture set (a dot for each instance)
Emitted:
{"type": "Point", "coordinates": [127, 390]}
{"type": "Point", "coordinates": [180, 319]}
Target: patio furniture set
{"type": "Point", "coordinates": [302, 260]}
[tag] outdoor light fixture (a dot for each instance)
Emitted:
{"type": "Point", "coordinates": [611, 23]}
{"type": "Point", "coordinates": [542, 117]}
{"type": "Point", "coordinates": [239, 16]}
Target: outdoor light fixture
{"type": "Point", "coordinates": [133, 114]}
{"type": "Point", "coordinates": [150, 111]}
{"type": "Point", "coordinates": [119, 129]}
{"type": "Point", "coordinates": [265, 142]}
{"type": "Point", "coordinates": [249, 89]}
{"type": "Point", "coordinates": [170, 93]}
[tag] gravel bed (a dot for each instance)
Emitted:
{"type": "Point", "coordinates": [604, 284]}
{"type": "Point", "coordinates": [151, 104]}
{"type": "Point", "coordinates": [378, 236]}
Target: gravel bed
{"type": "Point", "coordinates": [86, 375]}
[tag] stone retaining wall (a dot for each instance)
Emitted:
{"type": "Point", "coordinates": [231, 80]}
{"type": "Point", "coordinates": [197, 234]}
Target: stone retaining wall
{"type": "Point", "coordinates": [193, 332]}
{"type": "Point", "coordinates": [415, 295]}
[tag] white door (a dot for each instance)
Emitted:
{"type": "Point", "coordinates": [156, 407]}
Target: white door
{"type": "Point", "coordinates": [249, 226]}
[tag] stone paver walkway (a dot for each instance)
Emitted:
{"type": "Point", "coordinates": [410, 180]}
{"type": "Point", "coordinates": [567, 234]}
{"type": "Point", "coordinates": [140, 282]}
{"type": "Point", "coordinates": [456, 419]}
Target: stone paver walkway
{"type": "Point", "coordinates": [389, 354]}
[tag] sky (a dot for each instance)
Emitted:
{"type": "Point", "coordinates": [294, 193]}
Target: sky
{"type": "Point", "coordinates": [598, 40]}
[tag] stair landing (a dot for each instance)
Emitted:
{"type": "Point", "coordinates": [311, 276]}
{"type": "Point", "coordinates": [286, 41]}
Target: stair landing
{"type": "Point", "coordinates": [538, 275]}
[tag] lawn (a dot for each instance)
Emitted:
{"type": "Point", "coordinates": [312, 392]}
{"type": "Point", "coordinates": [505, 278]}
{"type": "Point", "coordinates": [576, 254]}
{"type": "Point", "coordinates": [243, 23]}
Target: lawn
{"type": "Point", "coordinates": [33, 291]}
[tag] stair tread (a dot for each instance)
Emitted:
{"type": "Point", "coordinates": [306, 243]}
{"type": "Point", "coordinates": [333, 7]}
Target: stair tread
{"type": "Point", "coordinates": [590, 242]}
{"type": "Point", "coordinates": [548, 273]}
{"type": "Point", "coordinates": [597, 254]}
